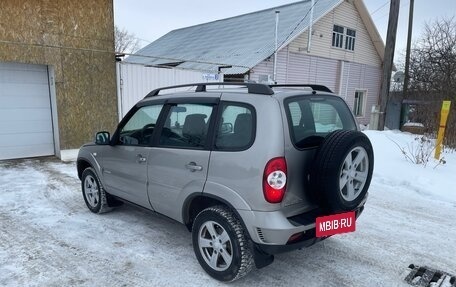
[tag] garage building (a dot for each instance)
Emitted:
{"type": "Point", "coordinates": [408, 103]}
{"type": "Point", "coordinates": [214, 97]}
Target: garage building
{"type": "Point", "coordinates": [57, 76]}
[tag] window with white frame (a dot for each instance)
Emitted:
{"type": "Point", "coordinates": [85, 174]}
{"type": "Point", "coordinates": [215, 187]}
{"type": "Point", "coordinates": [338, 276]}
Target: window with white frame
{"type": "Point", "coordinates": [358, 106]}
{"type": "Point", "coordinates": [343, 38]}
{"type": "Point", "coordinates": [338, 36]}
{"type": "Point", "coordinates": [350, 39]}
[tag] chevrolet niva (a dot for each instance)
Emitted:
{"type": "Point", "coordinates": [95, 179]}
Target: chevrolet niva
{"type": "Point", "coordinates": [249, 170]}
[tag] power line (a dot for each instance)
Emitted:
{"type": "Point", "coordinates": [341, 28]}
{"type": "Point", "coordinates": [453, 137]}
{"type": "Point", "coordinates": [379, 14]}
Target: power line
{"type": "Point", "coordinates": [296, 27]}
{"type": "Point", "coordinates": [144, 40]}
{"type": "Point", "coordinates": [289, 35]}
{"type": "Point", "coordinates": [379, 8]}
{"type": "Point", "coordinates": [302, 20]}
{"type": "Point", "coordinates": [116, 53]}
{"type": "Point", "coordinates": [402, 6]}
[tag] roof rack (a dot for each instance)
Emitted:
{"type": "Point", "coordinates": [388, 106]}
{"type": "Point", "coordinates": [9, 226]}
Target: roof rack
{"type": "Point", "coordinates": [313, 87]}
{"type": "Point", "coordinates": [252, 88]}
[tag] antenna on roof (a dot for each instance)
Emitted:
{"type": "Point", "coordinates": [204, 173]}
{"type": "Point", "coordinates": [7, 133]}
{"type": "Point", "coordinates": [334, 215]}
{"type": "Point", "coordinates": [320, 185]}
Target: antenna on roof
{"type": "Point", "coordinates": [309, 33]}
{"type": "Point", "coordinates": [275, 46]}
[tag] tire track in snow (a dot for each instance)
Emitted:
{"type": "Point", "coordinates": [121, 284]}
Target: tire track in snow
{"type": "Point", "coordinates": [46, 260]}
{"type": "Point", "coordinates": [48, 238]}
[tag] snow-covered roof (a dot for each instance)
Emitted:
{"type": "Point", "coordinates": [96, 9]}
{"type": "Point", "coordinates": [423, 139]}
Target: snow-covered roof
{"type": "Point", "coordinates": [241, 42]}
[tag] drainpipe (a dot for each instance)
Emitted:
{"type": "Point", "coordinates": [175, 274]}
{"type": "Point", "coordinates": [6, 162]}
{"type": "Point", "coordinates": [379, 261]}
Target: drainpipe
{"type": "Point", "coordinates": [309, 36]}
{"type": "Point", "coordinates": [341, 77]}
{"type": "Point", "coordinates": [276, 46]}
{"type": "Point", "coordinates": [120, 94]}
{"type": "Point", "coordinates": [346, 82]}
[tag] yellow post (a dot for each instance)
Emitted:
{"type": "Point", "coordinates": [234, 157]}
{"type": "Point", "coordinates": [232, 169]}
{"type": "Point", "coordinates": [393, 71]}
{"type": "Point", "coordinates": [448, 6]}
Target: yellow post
{"type": "Point", "coordinates": [443, 120]}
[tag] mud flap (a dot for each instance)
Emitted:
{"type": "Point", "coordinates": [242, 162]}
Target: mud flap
{"type": "Point", "coordinates": [261, 258]}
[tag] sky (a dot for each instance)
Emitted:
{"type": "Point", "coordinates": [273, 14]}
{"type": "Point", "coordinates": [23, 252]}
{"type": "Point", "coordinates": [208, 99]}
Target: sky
{"type": "Point", "coordinates": [149, 20]}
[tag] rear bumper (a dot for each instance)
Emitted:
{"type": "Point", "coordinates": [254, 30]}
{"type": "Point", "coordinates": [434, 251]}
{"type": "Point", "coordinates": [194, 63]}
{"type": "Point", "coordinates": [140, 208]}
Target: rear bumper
{"type": "Point", "coordinates": [271, 231]}
{"type": "Point", "coordinates": [307, 240]}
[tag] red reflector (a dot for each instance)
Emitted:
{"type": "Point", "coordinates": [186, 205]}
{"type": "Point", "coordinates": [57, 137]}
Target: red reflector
{"type": "Point", "coordinates": [295, 237]}
{"type": "Point", "coordinates": [275, 180]}
{"type": "Point", "coordinates": [335, 224]}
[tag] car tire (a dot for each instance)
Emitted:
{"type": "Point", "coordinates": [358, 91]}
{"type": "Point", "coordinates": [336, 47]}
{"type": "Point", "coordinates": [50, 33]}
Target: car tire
{"type": "Point", "coordinates": [93, 192]}
{"type": "Point", "coordinates": [221, 244]}
{"type": "Point", "coordinates": [342, 170]}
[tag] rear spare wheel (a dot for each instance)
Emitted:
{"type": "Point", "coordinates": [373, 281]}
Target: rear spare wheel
{"type": "Point", "coordinates": [342, 170]}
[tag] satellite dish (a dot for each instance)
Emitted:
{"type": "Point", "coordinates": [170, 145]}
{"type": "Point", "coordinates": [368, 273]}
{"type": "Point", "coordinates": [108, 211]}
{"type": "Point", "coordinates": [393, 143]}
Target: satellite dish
{"type": "Point", "coordinates": [399, 77]}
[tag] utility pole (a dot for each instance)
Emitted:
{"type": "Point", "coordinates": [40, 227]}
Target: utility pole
{"type": "Point", "coordinates": [388, 61]}
{"type": "Point", "coordinates": [407, 53]}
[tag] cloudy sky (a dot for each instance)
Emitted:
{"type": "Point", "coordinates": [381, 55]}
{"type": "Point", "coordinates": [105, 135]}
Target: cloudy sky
{"type": "Point", "coordinates": [149, 20]}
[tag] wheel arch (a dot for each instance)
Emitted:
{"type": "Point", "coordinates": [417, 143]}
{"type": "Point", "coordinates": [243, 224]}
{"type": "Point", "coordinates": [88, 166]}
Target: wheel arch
{"type": "Point", "coordinates": [81, 165]}
{"type": "Point", "coordinates": [196, 202]}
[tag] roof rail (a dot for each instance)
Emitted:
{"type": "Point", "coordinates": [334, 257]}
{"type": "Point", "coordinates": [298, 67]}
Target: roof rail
{"type": "Point", "coordinates": [313, 87]}
{"type": "Point", "coordinates": [252, 88]}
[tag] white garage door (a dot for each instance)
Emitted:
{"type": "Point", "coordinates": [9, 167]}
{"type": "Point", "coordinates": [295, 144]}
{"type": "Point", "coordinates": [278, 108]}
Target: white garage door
{"type": "Point", "coordinates": [25, 111]}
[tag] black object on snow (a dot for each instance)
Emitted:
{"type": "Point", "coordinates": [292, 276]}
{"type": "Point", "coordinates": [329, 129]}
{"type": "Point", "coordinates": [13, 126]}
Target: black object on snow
{"type": "Point", "coordinates": [424, 276]}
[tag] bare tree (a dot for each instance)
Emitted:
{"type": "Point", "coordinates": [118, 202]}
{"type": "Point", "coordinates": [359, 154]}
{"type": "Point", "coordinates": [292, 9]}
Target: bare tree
{"type": "Point", "coordinates": [433, 74]}
{"type": "Point", "coordinates": [125, 42]}
{"type": "Point", "coordinates": [434, 57]}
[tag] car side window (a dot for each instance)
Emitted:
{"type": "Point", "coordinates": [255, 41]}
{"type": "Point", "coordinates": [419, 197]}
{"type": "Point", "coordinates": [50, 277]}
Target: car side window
{"type": "Point", "coordinates": [236, 127]}
{"type": "Point", "coordinates": [186, 126]}
{"type": "Point", "coordinates": [139, 128]}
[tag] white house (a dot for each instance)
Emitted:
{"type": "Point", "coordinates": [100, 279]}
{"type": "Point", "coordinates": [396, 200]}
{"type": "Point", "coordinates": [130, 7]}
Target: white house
{"type": "Point", "coordinates": [345, 52]}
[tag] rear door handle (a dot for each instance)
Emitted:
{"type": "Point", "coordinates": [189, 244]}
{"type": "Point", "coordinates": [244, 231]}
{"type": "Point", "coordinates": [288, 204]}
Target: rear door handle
{"type": "Point", "coordinates": [141, 158]}
{"type": "Point", "coordinates": [192, 166]}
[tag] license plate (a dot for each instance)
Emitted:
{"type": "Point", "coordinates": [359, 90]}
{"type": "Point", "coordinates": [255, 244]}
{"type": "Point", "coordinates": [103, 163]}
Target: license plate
{"type": "Point", "coordinates": [335, 224]}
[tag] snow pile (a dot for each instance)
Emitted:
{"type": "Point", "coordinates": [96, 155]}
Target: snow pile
{"type": "Point", "coordinates": [393, 169]}
{"type": "Point", "coordinates": [412, 124]}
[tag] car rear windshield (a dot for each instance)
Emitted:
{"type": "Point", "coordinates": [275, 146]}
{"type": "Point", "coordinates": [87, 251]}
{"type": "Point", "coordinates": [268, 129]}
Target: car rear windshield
{"type": "Point", "coordinates": [310, 119]}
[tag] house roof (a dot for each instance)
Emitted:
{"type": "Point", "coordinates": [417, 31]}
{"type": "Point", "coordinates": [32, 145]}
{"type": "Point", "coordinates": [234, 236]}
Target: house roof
{"type": "Point", "coordinates": [242, 41]}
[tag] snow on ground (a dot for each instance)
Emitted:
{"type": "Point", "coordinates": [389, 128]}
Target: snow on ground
{"type": "Point", "coordinates": [391, 168]}
{"type": "Point", "coordinates": [49, 238]}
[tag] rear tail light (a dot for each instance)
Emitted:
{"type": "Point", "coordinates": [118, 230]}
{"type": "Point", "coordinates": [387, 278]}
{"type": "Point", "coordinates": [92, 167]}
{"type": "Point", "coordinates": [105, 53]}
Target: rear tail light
{"type": "Point", "coordinates": [275, 180]}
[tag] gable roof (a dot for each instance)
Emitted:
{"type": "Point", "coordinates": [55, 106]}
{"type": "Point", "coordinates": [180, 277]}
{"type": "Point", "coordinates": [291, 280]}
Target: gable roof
{"type": "Point", "coordinates": [241, 42]}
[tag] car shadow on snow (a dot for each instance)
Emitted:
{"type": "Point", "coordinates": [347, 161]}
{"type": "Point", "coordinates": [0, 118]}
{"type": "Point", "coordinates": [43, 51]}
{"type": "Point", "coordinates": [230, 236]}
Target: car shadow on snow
{"type": "Point", "coordinates": [164, 235]}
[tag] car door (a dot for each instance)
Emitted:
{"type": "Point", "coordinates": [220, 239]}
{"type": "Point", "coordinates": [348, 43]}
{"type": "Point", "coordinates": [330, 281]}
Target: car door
{"type": "Point", "coordinates": [125, 162]}
{"type": "Point", "coordinates": [178, 163]}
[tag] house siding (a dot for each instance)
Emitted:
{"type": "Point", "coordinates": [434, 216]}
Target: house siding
{"type": "Point", "coordinates": [361, 77]}
{"type": "Point", "coordinates": [307, 69]}
{"type": "Point", "coordinates": [266, 67]}
{"type": "Point", "coordinates": [321, 44]}
{"type": "Point", "coordinates": [136, 81]}
{"type": "Point", "coordinates": [344, 72]}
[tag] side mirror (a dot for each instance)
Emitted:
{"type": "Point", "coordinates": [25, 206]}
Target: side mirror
{"type": "Point", "coordinates": [226, 128]}
{"type": "Point", "coordinates": [102, 138]}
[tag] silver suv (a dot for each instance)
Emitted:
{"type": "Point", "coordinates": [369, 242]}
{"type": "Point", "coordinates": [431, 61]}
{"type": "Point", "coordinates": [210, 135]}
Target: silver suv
{"type": "Point", "coordinates": [249, 170]}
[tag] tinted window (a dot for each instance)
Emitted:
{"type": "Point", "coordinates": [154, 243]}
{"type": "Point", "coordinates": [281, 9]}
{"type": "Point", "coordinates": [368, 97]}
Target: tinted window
{"type": "Point", "coordinates": [326, 117]}
{"type": "Point", "coordinates": [311, 119]}
{"type": "Point", "coordinates": [139, 128]}
{"type": "Point", "coordinates": [236, 127]}
{"type": "Point", "coordinates": [186, 126]}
